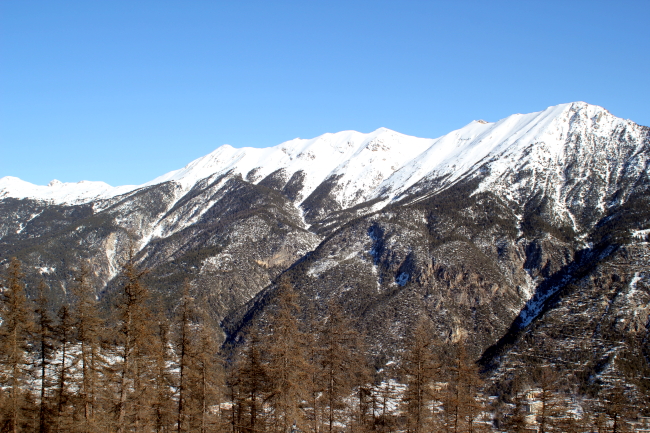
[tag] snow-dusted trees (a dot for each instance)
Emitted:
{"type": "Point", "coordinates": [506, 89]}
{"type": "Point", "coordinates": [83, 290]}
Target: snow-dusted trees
{"type": "Point", "coordinates": [342, 368]}
{"type": "Point", "coordinates": [549, 404]}
{"type": "Point", "coordinates": [515, 420]}
{"type": "Point", "coordinates": [290, 375]}
{"type": "Point", "coordinates": [616, 406]}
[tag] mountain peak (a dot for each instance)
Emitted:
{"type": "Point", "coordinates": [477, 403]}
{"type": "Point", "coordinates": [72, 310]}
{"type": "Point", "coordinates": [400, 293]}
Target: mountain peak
{"type": "Point", "coordinates": [368, 164]}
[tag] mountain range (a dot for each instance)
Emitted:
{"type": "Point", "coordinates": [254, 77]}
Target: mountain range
{"type": "Point", "coordinates": [526, 238]}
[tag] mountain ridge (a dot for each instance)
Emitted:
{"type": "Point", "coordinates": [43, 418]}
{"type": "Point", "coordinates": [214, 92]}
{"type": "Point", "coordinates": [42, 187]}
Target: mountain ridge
{"type": "Point", "coordinates": [491, 233]}
{"type": "Point", "coordinates": [409, 164]}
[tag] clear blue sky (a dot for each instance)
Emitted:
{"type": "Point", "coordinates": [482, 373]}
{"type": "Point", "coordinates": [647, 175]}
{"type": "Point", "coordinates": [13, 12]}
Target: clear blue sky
{"type": "Point", "coordinates": [123, 91]}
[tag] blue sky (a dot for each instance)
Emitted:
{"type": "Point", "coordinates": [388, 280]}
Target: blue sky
{"type": "Point", "coordinates": [123, 91]}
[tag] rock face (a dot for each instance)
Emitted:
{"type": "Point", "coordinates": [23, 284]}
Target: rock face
{"type": "Point", "coordinates": [527, 236]}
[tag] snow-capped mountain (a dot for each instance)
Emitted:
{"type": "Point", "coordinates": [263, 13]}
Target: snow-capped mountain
{"type": "Point", "coordinates": [488, 231]}
{"type": "Point", "coordinates": [385, 164]}
{"type": "Point", "coordinates": [361, 161]}
{"type": "Point", "coordinates": [399, 161]}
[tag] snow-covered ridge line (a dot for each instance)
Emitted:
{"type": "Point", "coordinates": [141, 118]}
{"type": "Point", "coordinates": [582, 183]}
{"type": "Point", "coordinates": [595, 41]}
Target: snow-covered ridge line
{"type": "Point", "coordinates": [380, 163]}
{"type": "Point", "coordinates": [57, 192]}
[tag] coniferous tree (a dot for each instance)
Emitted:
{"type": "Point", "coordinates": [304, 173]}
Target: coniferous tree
{"type": "Point", "coordinates": [64, 334]}
{"type": "Point", "coordinates": [463, 405]}
{"type": "Point", "coordinates": [421, 369]}
{"type": "Point", "coordinates": [162, 377]}
{"type": "Point", "coordinates": [248, 384]}
{"type": "Point", "coordinates": [14, 345]}
{"type": "Point", "coordinates": [133, 347]}
{"type": "Point", "coordinates": [206, 378]}
{"type": "Point", "coordinates": [362, 382]}
{"type": "Point", "coordinates": [616, 406]}
{"type": "Point", "coordinates": [600, 423]}
{"type": "Point", "coordinates": [183, 348]}
{"type": "Point", "coordinates": [199, 367]}
{"type": "Point", "coordinates": [549, 407]}
{"type": "Point", "coordinates": [338, 363]}
{"type": "Point", "coordinates": [386, 393]}
{"type": "Point", "coordinates": [286, 363]}
{"type": "Point", "coordinates": [234, 395]}
{"type": "Point", "coordinates": [584, 421]}
{"type": "Point", "coordinates": [89, 359]}
{"type": "Point", "coordinates": [314, 353]}
{"type": "Point", "coordinates": [44, 333]}
{"type": "Point", "coordinates": [570, 424]}
{"type": "Point", "coordinates": [515, 418]}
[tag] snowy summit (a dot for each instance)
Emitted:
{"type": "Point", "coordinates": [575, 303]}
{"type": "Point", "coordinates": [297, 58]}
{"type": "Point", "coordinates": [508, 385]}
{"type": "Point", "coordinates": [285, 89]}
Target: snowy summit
{"type": "Point", "coordinates": [380, 164]}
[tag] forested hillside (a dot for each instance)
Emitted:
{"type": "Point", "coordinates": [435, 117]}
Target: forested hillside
{"type": "Point", "coordinates": [134, 367]}
{"type": "Point", "coordinates": [493, 277]}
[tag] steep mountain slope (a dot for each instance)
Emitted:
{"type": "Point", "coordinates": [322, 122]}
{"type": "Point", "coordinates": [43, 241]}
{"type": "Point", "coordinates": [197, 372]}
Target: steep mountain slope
{"type": "Point", "coordinates": [488, 231]}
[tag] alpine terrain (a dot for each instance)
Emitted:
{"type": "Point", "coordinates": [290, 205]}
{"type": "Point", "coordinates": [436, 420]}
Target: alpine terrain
{"type": "Point", "coordinates": [527, 239]}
